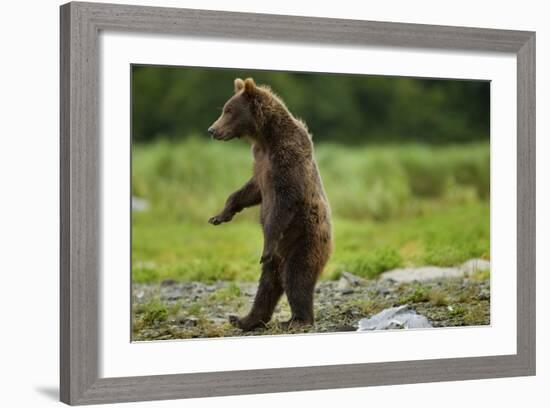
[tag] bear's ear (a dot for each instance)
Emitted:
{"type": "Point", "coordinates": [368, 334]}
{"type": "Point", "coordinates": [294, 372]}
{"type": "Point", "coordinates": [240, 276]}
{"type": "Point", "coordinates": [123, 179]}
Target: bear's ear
{"type": "Point", "coordinates": [238, 84]}
{"type": "Point", "coordinates": [249, 85]}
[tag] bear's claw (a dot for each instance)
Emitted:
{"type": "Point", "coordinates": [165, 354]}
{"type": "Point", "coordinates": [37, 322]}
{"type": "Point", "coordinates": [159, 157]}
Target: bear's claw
{"type": "Point", "coordinates": [216, 220]}
{"type": "Point", "coordinates": [245, 323]}
{"type": "Point", "coordinates": [234, 320]}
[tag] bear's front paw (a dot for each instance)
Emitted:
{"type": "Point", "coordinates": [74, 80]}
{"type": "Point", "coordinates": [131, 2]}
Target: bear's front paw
{"type": "Point", "coordinates": [218, 219]}
{"type": "Point", "coordinates": [215, 220]}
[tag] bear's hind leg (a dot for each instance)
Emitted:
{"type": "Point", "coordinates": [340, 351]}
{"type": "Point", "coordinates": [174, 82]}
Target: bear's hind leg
{"type": "Point", "coordinates": [270, 290]}
{"type": "Point", "coordinates": [300, 276]}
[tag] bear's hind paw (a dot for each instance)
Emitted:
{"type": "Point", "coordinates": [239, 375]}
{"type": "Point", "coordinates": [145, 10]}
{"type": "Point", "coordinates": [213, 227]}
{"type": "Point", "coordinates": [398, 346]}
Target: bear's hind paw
{"type": "Point", "coordinates": [244, 324]}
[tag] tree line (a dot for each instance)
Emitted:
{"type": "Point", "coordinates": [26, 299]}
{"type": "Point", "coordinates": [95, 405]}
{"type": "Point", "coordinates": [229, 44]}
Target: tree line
{"type": "Point", "coordinates": [177, 102]}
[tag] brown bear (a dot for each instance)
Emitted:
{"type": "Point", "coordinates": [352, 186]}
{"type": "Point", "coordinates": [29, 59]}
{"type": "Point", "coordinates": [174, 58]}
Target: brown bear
{"type": "Point", "coordinates": [295, 213]}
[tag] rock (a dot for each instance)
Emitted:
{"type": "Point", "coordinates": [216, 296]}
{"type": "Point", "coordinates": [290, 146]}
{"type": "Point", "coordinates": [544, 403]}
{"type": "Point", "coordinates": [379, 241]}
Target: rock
{"type": "Point", "coordinates": [400, 317]}
{"type": "Point", "coordinates": [218, 321]}
{"type": "Point", "coordinates": [352, 279]}
{"type": "Point", "coordinates": [475, 265]}
{"type": "Point", "coordinates": [425, 273]}
{"type": "Point", "coordinates": [344, 329]}
{"type": "Point", "coordinates": [188, 321]}
{"type": "Point", "coordinates": [484, 294]}
{"type": "Point", "coordinates": [139, 204]}
{"type": "Point", "coordinates": [343, 284]}
{"type": "Point", "coordinates": [383, 292]}
{"type": "Point", "coordinates": [168, 282]}
{"type": "Point", "coordinates": [172, 295]}
{"type": "Point", "coordinates": [348, 280]}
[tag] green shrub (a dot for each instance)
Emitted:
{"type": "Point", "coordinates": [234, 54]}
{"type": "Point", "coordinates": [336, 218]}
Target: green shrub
{"type": "Point", "coordinates": [153, 313]}
{"type": "Point", "coordinates": [427, 170]}
{"type": "Point", "coordinates": [473, 169]}
{"type": "Point", "coordinates": [144, 275]}
{"type": "Point", "coordinates": [231, 292]}
{"type": "Point", "coordinates": [373, 263]}
{"type": "Point", "coordinates": [189, 181]}
{"type": "Point", "coordinates": [391, 205]}
{"type": "Point", "coordinates": [418, 295]}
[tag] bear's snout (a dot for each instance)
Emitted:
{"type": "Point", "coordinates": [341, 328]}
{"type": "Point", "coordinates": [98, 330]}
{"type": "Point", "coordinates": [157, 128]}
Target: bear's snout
{"type": "Point", "coordinates": [218, 134]}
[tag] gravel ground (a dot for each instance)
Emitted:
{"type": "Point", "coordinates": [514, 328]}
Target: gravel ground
{"type": "Point", "coordinates": [176, 310]}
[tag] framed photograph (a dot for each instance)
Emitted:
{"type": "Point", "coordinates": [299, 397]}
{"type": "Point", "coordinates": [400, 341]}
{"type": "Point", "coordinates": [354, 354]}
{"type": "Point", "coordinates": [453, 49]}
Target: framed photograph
{"type": "Point", "coordinates": [261, 203]}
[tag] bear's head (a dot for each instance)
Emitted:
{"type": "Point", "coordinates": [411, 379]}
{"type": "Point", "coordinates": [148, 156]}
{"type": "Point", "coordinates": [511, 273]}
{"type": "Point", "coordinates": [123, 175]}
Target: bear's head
{"type": "Point", "coordinates": [240, 114]}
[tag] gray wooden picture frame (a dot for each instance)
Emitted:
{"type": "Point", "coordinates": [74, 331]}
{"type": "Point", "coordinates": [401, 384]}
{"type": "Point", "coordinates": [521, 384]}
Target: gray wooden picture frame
{"type": "Point", "coordinates": [81, 24]}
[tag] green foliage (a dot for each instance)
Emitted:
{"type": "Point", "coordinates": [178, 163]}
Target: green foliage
{"type": "Point", "coordinates": [371, 264]}
{"type": "Point", "coordinates": [142, 274]}
{"type": "Point", "coordinates": [448, 249]}
{"type": "Point", "coordinates": [191, 180]}
{"type": "Point", "coordinates": [381, 219]}
{"type": "Point", "coordinates": [418, 295]}
{"type": "Point", "coordinates": [476, 314]}
{"type": "Point", "coordinates": [363, 182]}
{"type": "Point", "coordinates": [194, 251]}
{"type": "Point", "coordinates": [226, 294]}
{"type": "Point", "coordinates": [153, 313]}
{"type": "Point", "coordinates": [175, 102]}
{"type": "Point", "coordinates": [194, 309]}
{"type": "Point", "coordinates": [438, 297]}
{"type": "Point", "coordinates": [366, 307]}
{"type": "Point", "coordinates": [428, 174]}
{"type": "Point", "coordinates": [457, 310]}
{"type": "Point", "coordinates": [182, 180]}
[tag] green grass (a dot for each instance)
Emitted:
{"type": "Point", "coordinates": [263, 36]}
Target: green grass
{"type": "Point", "coordinates": [189, 251]}
{"type": "Point", "coordinates": [418, 295]}
{"type": "Point", "coordinates": [153, 312]}
{"type": "Point", "coordinates": [392, 206]}
{"type": "Point", "coordinates": [226, 294]}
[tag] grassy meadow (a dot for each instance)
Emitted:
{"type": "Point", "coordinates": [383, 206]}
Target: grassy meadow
{"type": "Point", "coordinates": [392, 205]}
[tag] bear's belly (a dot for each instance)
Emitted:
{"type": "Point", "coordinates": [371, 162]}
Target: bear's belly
{"type": "Point", "coordinates": [309, 230]}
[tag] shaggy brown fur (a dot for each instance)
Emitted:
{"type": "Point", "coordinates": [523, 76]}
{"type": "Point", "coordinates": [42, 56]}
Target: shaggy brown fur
{"type": "Point", "coordinates": [295, 213]}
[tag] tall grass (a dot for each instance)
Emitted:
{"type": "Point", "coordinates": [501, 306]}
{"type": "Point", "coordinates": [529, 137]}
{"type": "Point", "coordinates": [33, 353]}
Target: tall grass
{"type": "Point", "coordinates": [190, 180]}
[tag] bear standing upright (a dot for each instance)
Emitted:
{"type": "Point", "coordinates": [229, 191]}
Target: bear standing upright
{"type": "Point", "coordinates": [295, 214]}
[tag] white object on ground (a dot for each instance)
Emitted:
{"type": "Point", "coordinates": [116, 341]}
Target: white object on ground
{"type": "Point", "coordinates": [400, 317]}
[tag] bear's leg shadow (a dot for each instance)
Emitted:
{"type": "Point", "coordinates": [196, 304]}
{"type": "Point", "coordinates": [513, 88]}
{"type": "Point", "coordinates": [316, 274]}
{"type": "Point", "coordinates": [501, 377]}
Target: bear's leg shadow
{"type": "Point", "coordinates": [270, 290]}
